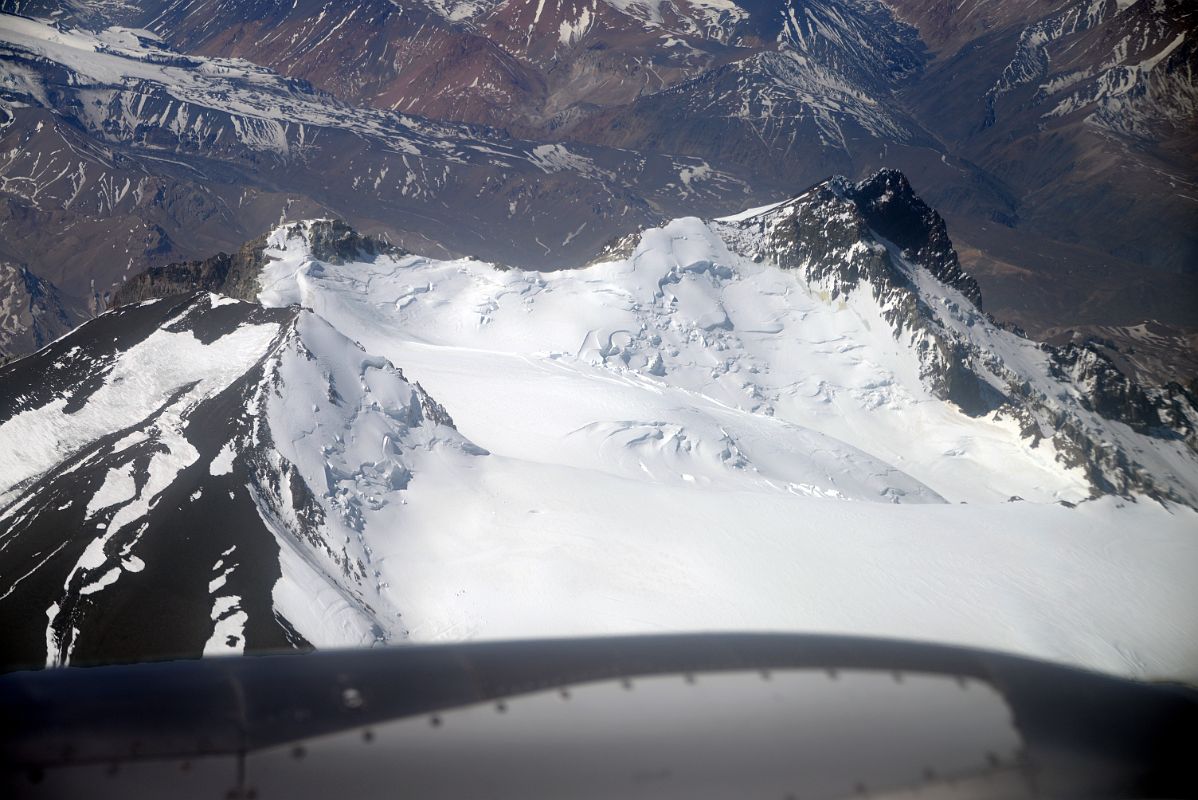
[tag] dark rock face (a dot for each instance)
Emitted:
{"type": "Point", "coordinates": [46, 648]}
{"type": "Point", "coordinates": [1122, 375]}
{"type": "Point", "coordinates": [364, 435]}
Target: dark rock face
{"type": "Point", "coordinates": [159, 604]}
{"type": "Point", "coordinates": [33, 312]}
{"type": "Point", "coordinates": [957, 380]}
{"type": "Point", "coordinates": [891, 208]}
{"type": "Point", "coordinates": [1107, 391]}
{"type": "Point", "coordinates": [334, 241]}
{"type": "Point", "coordinates": [234, 275]}
{"type": "Point", "coordinates": [836, 234]}
{"type": "Point", "coordinates": [432, 410]}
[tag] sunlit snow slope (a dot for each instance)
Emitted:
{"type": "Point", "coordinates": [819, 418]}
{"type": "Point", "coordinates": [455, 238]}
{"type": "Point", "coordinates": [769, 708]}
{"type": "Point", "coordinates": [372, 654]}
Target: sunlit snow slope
{"type": "Point", "coordinates": [687, 439]}
{"type": "Point", "coordinates": [780, 421]}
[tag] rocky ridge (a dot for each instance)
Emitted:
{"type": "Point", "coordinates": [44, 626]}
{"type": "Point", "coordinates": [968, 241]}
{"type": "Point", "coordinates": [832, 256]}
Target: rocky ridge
{"type": "Point", "coordinates": [33, 312]}
{"type": "Point", "coordinates": [844, 237]}
{"type": "Point", "coordinates": [206, 437]}
{"type": "Point", "coordinates": [237, 275]}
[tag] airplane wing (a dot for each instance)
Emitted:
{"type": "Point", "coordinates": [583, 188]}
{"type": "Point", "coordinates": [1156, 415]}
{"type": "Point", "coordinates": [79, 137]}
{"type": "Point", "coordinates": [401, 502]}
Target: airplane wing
{"type": "Point", "coordinates": [694, 716]}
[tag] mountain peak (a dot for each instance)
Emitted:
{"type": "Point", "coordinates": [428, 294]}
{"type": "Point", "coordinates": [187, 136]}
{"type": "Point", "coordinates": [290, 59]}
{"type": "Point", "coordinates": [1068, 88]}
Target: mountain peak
{"type": "Point", "coordinates": [232, 452]}
{"type": "Point", "coordinates": [893, 209]}
{"type": "Point", "coordinates": [331, 240]}
{"type": "Point", "coordinates": [883, 211]}
{"type": "Point", "coordinates": [877, 238]}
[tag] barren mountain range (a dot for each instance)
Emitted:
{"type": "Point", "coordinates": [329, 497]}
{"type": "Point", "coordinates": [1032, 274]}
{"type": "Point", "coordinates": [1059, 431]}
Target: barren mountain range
{"type": "Point", "coordinates": [1056, 138]}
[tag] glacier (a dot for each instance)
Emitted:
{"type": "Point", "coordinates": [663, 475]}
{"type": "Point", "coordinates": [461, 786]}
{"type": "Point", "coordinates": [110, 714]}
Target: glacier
{"type": "Point", "coordinates": [689, 434]}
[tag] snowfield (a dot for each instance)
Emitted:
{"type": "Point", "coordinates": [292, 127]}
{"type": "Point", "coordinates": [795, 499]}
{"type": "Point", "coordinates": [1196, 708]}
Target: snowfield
{"type": "Point", "coordinates": [686, 440]}
{"type": "Point", "coordinates": [679, 437]}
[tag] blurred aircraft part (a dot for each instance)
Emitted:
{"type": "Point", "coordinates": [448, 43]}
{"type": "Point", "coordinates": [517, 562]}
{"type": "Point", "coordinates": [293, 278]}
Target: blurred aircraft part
{"type": "Point", "coordinates": [693, 716]}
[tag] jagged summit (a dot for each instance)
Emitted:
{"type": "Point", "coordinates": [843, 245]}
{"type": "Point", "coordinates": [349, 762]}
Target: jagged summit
{"type": "Point", "coordinates": [893, 210]}
{"type": "Point", "coordinates": [887, 210]}
{"type": "Point", "coordinates": [334, 241]}
{"type": "Point", "coordinates": [880, 237]}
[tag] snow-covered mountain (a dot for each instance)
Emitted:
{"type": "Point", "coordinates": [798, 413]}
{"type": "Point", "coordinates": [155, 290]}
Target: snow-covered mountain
{"type": "Point", "coordinates": [1078, 106]}
{"type": "Point", "coordinates": [796, 418]}
{"type": "Point", "coordinates": [205, 452]}
{"type": "Point", "coordinates": [1012, 93]}
{"type": "Point", "coordinates": [1123, 66]}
